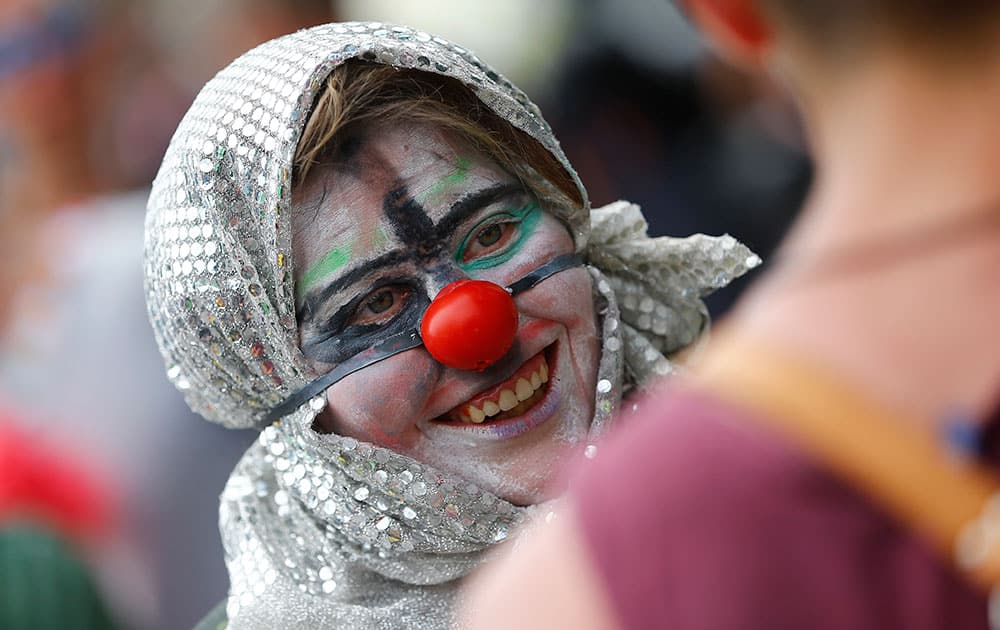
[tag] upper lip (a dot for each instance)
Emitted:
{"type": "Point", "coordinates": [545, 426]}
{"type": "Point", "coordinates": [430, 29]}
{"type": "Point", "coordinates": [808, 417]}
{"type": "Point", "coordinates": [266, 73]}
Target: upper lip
{"type": "Point", "coordinates": [494, 375]}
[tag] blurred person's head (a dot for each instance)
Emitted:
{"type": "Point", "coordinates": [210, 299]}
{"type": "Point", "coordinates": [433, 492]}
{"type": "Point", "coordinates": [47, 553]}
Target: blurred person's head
{"type": "Point", "coordinates": [48, 52]}
{"type": "Point", "coordinates": [877, 73]}
{"type": "Point", "coordinates": [814, 42]}
{"type": "Point", "coordinates": [54, 72]}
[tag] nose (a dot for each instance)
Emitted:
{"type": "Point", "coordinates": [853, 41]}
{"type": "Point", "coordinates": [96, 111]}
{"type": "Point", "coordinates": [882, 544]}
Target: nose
{"type": "Point", "coordinates": [470, 325]}
{"type": "Point", "coordinates": [440, 275]}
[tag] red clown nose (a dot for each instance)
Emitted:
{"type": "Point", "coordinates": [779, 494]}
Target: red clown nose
{"type": "Point", "coordinates": [470, 324]}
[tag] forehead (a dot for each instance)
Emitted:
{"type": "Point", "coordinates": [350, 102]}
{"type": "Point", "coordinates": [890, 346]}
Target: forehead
{"type": "Point", "coordinates": [382, 180]}
{"type": "Point", "coordinates": [431, 164]}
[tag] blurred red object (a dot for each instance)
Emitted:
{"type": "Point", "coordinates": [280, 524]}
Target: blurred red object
{"type": "Point", "coordinates": [39, 484]}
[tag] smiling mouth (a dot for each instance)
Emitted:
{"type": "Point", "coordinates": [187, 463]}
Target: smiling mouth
{"type": "Point", "coordinates": [511, 398]}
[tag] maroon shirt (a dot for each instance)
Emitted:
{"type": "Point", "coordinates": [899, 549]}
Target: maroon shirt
{"type": "Point", "coordinates": [697, 517]}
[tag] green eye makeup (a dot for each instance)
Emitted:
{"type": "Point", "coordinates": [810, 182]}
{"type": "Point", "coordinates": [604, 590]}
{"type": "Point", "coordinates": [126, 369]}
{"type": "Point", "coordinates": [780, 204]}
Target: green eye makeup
{"type": "Point", "coordinates": [526, 219]}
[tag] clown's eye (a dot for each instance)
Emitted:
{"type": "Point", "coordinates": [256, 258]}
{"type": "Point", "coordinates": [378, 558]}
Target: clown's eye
{"type": "Point", "coordinates": [490, 235]}
{"type": "Point", "coordinates": [380, 306]}
{"type": "Point", "coordinates": [381, 303]}
{"type": "Point", "coordinates": [489, 239]}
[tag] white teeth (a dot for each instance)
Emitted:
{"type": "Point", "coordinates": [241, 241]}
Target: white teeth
{"type": "Point", "coordinates": [508, 400]}
{"type": "Point", "coordinates": [476, 414]}
{"type": "Point", "coordinates": [536, 380]}
{"type": "Point", "coordinates": [523, 389]}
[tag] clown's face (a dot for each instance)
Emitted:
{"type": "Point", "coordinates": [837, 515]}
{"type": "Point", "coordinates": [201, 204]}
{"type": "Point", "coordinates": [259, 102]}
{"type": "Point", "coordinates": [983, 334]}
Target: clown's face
{"type": "Point", "coordinates": [402, 212]}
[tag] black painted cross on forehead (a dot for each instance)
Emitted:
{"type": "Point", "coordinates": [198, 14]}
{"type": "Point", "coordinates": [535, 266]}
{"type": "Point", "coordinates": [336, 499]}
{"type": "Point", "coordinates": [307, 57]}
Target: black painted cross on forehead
{"type": "Point", "coordinates": [421, 241]}
{"type": "Point", "coordinates": [413, 225]}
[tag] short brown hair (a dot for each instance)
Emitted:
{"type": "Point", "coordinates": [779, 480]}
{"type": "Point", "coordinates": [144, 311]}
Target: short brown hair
{"type": "Point", "coordinates": [359, 93]}
{"type": "Point", "coordinates": [837, 26]}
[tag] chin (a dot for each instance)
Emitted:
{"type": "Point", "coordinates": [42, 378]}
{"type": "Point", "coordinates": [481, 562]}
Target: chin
{"type": "Point", "coordinates": [531, 469]}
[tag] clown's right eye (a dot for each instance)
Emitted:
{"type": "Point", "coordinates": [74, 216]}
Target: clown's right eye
{"type": "Point", "coordinates": [380, 306]}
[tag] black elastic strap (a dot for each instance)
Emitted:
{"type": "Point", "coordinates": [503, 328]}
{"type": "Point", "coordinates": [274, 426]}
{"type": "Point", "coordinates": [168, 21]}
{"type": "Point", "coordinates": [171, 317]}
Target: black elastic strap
{"type": "Point", "coordinates": [395, 344]}
{"type": "Point", "coordinates": [554, 266]}
{"type": "Point", "coordinates": [400, 342]}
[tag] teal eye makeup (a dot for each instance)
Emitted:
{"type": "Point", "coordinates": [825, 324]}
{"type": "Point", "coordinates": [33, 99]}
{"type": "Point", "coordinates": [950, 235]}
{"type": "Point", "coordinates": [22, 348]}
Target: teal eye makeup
{"type": "Point", "coordinates": [498, 238]}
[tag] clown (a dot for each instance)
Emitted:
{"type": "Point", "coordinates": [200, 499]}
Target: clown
{"type": "Point", "coordinates": [367, 244]}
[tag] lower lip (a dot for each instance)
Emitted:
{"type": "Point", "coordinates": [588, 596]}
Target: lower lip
{"type": "Point", "coordinates": [540, 413]}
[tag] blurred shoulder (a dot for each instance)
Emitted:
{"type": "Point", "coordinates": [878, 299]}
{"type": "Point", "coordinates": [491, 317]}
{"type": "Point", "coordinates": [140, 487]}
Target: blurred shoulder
{"type": "Point", "coordinates": [690, 440]}
{"type": "Point", "coordinates": [698, 498]}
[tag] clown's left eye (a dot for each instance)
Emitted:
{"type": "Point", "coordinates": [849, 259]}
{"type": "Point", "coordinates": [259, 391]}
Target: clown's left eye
{"type": "Point", "coordinates": [488, 240]}
{"type": "Point", "coordinates": [381, 306]}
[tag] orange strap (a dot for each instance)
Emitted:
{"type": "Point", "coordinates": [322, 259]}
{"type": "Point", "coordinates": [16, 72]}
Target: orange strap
{"type": "Point", "coordinates": [900, 465]}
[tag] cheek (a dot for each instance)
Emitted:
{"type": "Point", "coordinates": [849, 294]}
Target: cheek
{"type": "Point", "coordinates": [380, 404]}
{"type": "Point", "coordinates": [581, 320]}
{"type": "Point", "coordinates": [567, 299]}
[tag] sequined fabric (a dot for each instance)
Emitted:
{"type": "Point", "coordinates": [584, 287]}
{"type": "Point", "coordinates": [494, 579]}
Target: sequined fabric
{"type": "Point", "coordinates": [336, 533]}
{"type": "Point", "coordinates": [659, 283]}
{"type": "Point", "coordinates": [321, 530]}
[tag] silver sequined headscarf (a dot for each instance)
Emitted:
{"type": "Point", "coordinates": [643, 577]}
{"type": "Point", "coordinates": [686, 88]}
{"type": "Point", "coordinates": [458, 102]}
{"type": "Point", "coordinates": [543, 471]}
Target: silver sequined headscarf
{"type": "Point", "coordinates": [322, 530]}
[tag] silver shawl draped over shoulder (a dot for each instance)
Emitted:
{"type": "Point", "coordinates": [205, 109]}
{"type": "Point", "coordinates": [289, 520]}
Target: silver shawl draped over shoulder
{"type": "Point", "coordinates": [323, 531]}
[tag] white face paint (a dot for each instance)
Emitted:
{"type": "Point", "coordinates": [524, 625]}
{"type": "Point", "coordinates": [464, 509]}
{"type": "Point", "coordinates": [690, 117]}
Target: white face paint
{"type": "Point", "coordinates": [402, 213]}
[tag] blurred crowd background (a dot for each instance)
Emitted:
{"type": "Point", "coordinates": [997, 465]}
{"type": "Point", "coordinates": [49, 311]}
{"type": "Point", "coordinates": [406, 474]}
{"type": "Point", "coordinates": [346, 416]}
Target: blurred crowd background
{"type": "Point", "coordinates": [108, 485]}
